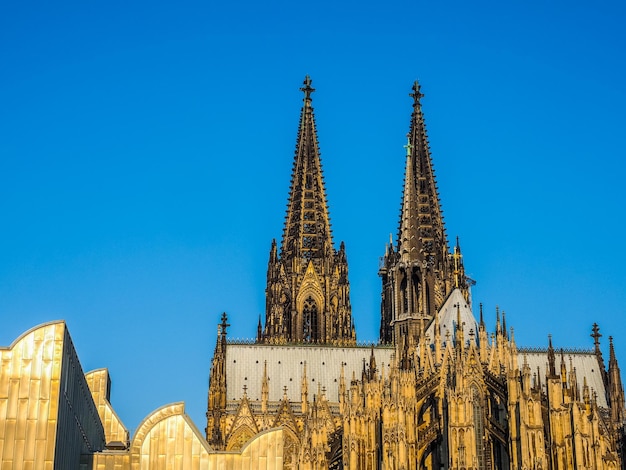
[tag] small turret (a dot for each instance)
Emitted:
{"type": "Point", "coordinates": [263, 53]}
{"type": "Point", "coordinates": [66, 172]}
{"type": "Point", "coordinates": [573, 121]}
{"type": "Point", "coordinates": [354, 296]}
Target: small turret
{"type": "Point", "coordinates": [259, 331]}
{"type": "Point", "coordinates": [342, 388]}
{"type": "Point", "coordinates": [551, 359]}
{"type": "Point", "coordinates": [615, 388]}
{"type": "Point", "coordinates": [482, 338]}
{"type": "Point", "coordinates": [498, 325]}
{"type": "Point", "coordinates": [372, 369]}
{"type": "Point", "coordinates": [216, 406]}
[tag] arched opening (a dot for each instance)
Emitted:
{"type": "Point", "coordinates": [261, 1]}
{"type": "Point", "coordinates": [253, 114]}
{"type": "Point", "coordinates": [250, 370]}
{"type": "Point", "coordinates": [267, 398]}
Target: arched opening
{"type": "Point", "coordinates": [415, 287]}
{"type": "Point", "coordinates": [310, 320]}
{"type": "Point", "coordinates": [479, 426]}
{"type": "Point", "coordinates": [404, 295]}
{"type": "Point", "coordinates": [239, 438]}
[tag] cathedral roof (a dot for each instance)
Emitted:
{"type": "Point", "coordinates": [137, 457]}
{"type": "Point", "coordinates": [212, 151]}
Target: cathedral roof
{"type": "Point", "coordinates": [586, 364]}
{"type": "Point", "coordinates": [448, 318]}
{"type": "Point", "coordinates": [285, 366]}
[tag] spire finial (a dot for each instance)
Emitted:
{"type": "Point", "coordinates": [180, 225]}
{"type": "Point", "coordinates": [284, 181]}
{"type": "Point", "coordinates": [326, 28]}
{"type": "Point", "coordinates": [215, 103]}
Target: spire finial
{"type": "Point", "coordinates": [224, 324]}
{"type": "Point", "coordinates": [222, 328]}
{"type": "Point", "coordinates": [482, 320]}
{"type": "Point", "coordinates": [417, 94]}
{"type": "Point", "coordinates": [595, 334]}
{"type": "Point", "coordinates": [307, 89]}
{"type": "Point", "coordinates": [551, 358]}
{"type": "Point", "coordinates": [498, 329]}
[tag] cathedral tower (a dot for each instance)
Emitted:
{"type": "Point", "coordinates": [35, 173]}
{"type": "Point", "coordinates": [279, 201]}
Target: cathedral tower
{"type": "Point", "coordinates": [308, 294]}
{"type": "Point", "coordinates": [419, 272]}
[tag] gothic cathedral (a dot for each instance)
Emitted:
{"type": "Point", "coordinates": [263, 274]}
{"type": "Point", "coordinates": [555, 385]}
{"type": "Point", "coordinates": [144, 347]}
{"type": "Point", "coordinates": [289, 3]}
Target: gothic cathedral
{"type": "Point", "coordinates": [438, 391]}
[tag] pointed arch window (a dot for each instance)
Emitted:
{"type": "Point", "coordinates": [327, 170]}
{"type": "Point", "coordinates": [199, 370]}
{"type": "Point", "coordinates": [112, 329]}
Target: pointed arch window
{"type": "Point", "coordinates": [404, 293]}
{"type": "Point", "coordinates": [310, 320]}
{"type": "Point", "coordinates": [479, 426]}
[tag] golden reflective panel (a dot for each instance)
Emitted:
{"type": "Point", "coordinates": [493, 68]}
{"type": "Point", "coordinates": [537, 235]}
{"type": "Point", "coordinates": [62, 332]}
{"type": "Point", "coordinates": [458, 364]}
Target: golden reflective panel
{"type": "Point", "coordinates": [52, 416]}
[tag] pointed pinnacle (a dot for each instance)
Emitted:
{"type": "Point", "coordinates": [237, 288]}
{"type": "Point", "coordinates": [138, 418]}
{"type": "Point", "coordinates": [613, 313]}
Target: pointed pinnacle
{"type": "Point", "coordinates": [611, 350]}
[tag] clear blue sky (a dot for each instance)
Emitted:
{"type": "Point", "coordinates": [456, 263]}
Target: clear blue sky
{"type": "Point", "coordinates": [146, 150]}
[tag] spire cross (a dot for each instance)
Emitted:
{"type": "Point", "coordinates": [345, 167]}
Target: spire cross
{"type": "Point", "coordinates": [307, 89]}
{"type": "Point", "coordinates": [224, 323]}
{"type": "Point", "coordinates": [417, 94]}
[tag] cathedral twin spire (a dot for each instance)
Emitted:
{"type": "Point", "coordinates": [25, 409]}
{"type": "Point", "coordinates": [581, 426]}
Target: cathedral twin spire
{"type": "Point", "coordinates": [419, 272]}
{"type": "Point", "coordinates": [307, 295]}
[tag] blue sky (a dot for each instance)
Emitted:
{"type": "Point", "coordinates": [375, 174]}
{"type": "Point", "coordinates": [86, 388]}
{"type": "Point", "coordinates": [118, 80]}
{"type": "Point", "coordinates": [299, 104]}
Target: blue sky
{"type": "Point", "coordinates": [146, 150]}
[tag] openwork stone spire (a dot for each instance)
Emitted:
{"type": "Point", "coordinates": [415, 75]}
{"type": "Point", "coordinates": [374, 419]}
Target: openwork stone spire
{"type": "Point", "coordinates": [422, 235]}
{"type": "Point", "coordinates": [307, 296]}
{"type": "Point", "coordinates": [307, 232]}
{"type": "Point", "coordinates": [419, 272]}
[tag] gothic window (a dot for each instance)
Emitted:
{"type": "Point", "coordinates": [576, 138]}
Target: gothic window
{"type": "Point", "coordinates": [403, 292]}
{"type": "Point", "coordinates": [310, 320]}
{"type": "Point", "coordinates": [286, 322]}
{"type": "Point", "coordinates": [462, 448]}
{"type": "Point", "coordinates": [479, 426]}
{"type": "Point", "coordinates": [415, 284]}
